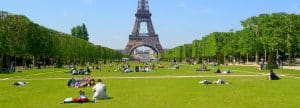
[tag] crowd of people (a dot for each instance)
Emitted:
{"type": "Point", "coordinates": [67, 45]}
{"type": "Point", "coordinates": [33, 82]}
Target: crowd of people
{"type": "Point", "coordinates": [140, 67]}
{"type": "Point", "coordinates": [74, 71]}
{"type": "Point", "coordinates": [99, 88]}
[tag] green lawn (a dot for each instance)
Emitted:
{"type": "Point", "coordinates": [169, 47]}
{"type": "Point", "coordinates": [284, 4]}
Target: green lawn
{"type": "Point", "coordinates": [243, 92]}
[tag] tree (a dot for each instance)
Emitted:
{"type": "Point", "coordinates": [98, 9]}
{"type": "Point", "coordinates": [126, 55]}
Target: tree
{"type": "Point", "coordinates": [80, 31]}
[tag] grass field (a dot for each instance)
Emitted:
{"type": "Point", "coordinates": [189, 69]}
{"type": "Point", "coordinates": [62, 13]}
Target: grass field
{"type": "Point", "coordinates": [161, 88]}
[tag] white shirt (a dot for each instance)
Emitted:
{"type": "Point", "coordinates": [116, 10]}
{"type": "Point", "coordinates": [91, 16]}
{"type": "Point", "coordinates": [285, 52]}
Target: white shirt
{"type": "Point", "coordinates": [100, 91]}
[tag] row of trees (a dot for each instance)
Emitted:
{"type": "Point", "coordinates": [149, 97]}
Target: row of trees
{"type": "Point", "coordinates": [180, 52]}
{"type": "Point", "coordinates": [25, 42]}
{"type": "Point", "coordinates": [272, 37]}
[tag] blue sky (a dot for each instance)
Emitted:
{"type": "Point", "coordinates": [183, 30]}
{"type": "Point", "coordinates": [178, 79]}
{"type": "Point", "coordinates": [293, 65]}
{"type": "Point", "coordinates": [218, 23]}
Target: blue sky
{"type": "Point", "coordinates": [177, 22]}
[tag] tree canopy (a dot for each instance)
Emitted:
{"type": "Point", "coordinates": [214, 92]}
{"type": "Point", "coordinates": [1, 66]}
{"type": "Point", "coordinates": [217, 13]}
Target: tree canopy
{"type": "Point", "coordinates": [23, 39]}
{"type": "Point", "coordinates": [80, 31]}
{"type": "Point", "coordinates": [269, 36]}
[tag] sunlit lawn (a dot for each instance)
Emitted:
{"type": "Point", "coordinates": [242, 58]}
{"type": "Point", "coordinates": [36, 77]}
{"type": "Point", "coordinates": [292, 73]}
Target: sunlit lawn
{"type": "Point", "coordinates": [243, 92]}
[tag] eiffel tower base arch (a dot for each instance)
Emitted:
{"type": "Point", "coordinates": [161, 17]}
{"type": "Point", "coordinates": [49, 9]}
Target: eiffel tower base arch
{"type": "Point", "coordinates": [151, 42]}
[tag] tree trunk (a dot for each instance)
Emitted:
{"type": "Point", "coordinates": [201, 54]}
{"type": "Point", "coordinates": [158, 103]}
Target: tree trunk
{"type": "Point", "coordinates": [33, 61]}
{"type": "Point", "coordinates": [290, 58]}
{"type": "Point", "coordinates": [3, 65]}
{"type": "Point", "coordinates": [247, 58]}
{"type": "Point", "coordinates": [23, 62]}
{"type": "Point", "coordinates": [265, 55]}
{"type": "Point", "coordinates": [256, 57]}
{"type": "Point", "coordinates": [224, 59]}
{"type": "Point", "coordinates": [272, 60]}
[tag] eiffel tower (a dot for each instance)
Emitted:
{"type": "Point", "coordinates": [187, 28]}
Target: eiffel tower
{"type": "Point", "coordinates": [137, 39]}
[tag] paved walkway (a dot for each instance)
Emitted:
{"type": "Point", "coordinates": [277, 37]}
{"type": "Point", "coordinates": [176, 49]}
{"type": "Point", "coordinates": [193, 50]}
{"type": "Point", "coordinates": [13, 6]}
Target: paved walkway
{"type": "Point", "coordinates": [285, 67]}
{"type": "Point", "coordinates": [292, 67]}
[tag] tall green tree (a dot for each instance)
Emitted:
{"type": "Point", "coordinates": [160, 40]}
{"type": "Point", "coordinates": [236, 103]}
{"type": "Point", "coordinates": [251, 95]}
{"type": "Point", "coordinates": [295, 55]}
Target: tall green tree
{"type": "Point", "coordinates": [80, 31]}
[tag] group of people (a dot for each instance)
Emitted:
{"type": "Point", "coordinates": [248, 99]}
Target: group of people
{"type": "Point", "coordinates": [219, 81]}
{"type": "Point", "coordinates": [142, 69]}
{"type": "Point", "coordinates": [203, 68]}
{"type": "Point", "coordinates": [83, 82]}
{"type": "Point", "coordinates": [74, 71]}
{"type": "Point", "coordinates": [99, 93]}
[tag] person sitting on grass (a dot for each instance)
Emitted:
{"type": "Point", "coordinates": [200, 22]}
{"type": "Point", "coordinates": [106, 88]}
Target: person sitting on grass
{"type": "Point", "coordinates": [273, 76]}
{"type": "Point", "coordinates": [81, 72]}
{"type": "Point", "coordinates": [88, 71]}
{"type": "Point", "coordinates": [218, 71]}
{"type": "Point", "coordinates": [99, 91]}
{"type": "Point", "coordinates": [147, 69]}
{"type": "Point", "coordinates": [160, 66]}
{"type": "Point", "coordinates": [75, 72]}
{"type": "Point", "coordinates": [71, 82]}
{"type": "Point", "coordinates": [137, 69]}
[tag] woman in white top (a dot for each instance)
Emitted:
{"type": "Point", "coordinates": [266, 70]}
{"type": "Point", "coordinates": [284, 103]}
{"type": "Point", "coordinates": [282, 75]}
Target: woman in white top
{"type": "Point", "coordinates": [99, 91]}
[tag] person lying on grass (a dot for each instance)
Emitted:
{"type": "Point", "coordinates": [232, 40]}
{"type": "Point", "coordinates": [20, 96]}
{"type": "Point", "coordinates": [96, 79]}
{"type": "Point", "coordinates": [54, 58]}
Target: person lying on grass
{"type": "Point", "coordinates": [227, 71]}
{"type": "Point", "coordinates": [99, 91]}
{"type": "Point", "coordinates": [220, 81]}
{"type": "Point", "coordinates": [273, 76]}
{"type": "Point", "coordinates": [19, 83]}
{"type": "Point", "coordinates": [205, 82]}
{"type": "Point", "coordinates": [89, 81]}
{"type": "Point", "coordinates": [81, 99]}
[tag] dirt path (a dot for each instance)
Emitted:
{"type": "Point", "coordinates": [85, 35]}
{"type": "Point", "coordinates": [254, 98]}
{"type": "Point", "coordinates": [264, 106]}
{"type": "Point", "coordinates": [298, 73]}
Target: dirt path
{"type": "Point", "coordinates": [292, 67]}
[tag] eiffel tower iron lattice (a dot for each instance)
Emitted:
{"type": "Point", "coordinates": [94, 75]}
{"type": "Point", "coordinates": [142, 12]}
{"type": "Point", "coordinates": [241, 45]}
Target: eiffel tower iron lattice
{"type": "Point", "coordinates": [137, 39]}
